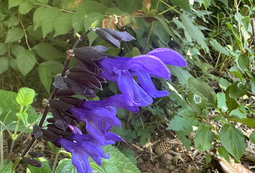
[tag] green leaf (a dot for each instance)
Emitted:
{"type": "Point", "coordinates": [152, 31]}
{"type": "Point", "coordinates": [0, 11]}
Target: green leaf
{"type": "Point", "coordinates": [252, 82]}
{"type": "Point", "coordinates": [110, 166]}
{"type": "Point", "coordinates": [6, 168]}
{"type": "Point", "coordinates": [197, 102]}
{"type": "Point", "coordinates": [206, 2]}
{"type": "Point", "coordinates": [237, 72]}
{"type": "Point", "coordinates": [54, 66]}
{"type": "Point", "coordinates": [118, 161]}
{"type": "Point", "coordinates": [252, 137]}
{"type": "Point", "coordinates": [126, 7]}
{"type": "Point", "coordinates": [53, 147]}
{"type": "Point", "coordinates": [46, 18]}
{"type": "Point", "coordinates": [43, 1]}
{"type": "Point", "coordinates": [237, 90]}
{"type": "Point", "coordinates": [222, 102]}
{"type": "Point", "coordinates": [78, 21]}
{"type": "Point", "coordinates": [247, 121]}
{"type": "Point", "coordinates": [25, 7]}
{"type": "Point", "coordinates": [194, 31]}
{"type": "Point", "coordinates": [178, 123]}
{"type": "Point", "coordinates": [180, 73]}
{"type": "Point", "coordinates": [63, 24]}
{"type": "Point", "coordinates": [3, 48]}
{"type": "Point", "coordinates": [224, 83]}
{"type": "Point", "coordinates": [203, 138]}
{"type": "Point", "coordinates": [88, 6]}
{"type": "Point", "coordinates": [4, 64]}
{"type": "Point", "coordinates": [223, 153]}
{"type": "Point", "coordinates": [97, 168]}
{"type": "Point", "coordinates": [183, 136]}
{"type": "Point", "coordinates": [46, 51]}
{"type": "Point", "coordinates": [238, 40]}
{"type": "Point", "coordinates": [183, 4]}
{"type": "Point", "coordinates": [25, 61]}
{"type": "Point", "coordinates": [17, 49]}
{"type": "Point", "coordinates": [66, 166]}
{"type": "Point", "coordinates": [244, 62]}
{"type": "Point", "coordinates": [92, 17]}
{"type": "Point", "coordinates": [230, 102]}
{"type": "Point", "coordinates": [208, 158]}
{"type": "Point", "coordinates": [13, 21]}
{"type": "Point", "coordinates": [45, 166]}
{"type": "Point", "coordinates": [232, 140]}
{"type": "Point", "coordinates": [13, 3]}
{"type": "Point", "coordinates": [25, 96]}
{"type": "Point", "coordinates": [23, 116]}
{"type": "Point", "coordinates": [14, 34]}
{"type": "Point", "coordinates": [9, 109]}
{"type": "Point", "coordinates": [45, 77]}
{"type": "Point", "coordinates": [199, 87]}
{"type": "Point", "coordinates": [218, 47]}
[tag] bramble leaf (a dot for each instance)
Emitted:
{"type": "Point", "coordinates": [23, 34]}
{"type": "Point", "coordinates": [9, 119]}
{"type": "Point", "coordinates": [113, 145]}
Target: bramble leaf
{"type": "Point", "coordinates": [14, 34]}
{"type": "Point", "coordinates": [46, 51]}
{"type": "Point", "coordinates": [204, 137]}
{"type": "Point", "coordinates": [4, 64]}
{"type": "Point", "coordinates": [25, 96]}
{"type": "Point", "coordinates": [45, 77]}
{"type": "Point", "coordinates": [232, 140]}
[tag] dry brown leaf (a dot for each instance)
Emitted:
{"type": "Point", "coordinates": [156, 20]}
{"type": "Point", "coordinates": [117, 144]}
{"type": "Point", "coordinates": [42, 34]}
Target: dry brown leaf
{"type": "Point", "coordinates": [110, 22]}
{"type": "Point", "coordinates": [232, 167]}
{"type": "Point", "coordinates": [147, 5]}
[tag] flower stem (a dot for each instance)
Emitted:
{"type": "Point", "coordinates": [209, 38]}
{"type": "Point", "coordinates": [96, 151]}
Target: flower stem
{"type": "Point", "coordinates": [55, 162]}
{"type": "Point", "coordinates": [46, 110]}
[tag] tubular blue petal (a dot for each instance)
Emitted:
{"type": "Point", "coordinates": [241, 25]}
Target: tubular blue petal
{"type": "Point", "coordinates": [80, 161]}
{"type": "Point", "coordinates": [108, 115]}
{"type": "Point", "coordinates": [132, 92]}
{"type": "Point", "coordinates": [80, 114]}
{"type": "Point", "coordinates": [115, 100]}
{"type": "Point", "coordinates": [150, 64]}
{"type": "Point", "coordinates": [94, 128]}
{"type": "Point", "coordinates": [148, 86]}
{"type": "Point", "coordinates": [169, 56]}
{"type": "Point", "coordinates": [113, 136]}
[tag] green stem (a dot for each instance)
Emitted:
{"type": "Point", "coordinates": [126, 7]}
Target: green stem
{"type": "Point", "coordinates": [1, 149]}
{"type": "Point", "coordinates": [148, 38]}
{"type": "Point", "coordinates": [10, 152]}
{"type": "Point", "coordinates": [55, 162]}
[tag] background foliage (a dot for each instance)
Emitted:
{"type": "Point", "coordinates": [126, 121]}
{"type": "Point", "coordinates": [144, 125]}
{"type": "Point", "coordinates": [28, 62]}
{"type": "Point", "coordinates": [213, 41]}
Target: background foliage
{"type": "Point", "coordinates": [215, 36]}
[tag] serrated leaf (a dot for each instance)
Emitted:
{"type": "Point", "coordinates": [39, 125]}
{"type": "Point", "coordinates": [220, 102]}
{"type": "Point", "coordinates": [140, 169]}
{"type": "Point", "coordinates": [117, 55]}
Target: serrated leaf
{"type": "Point", "coordinates": [180, 73]}
{"type": "Point", "coordinates": [66, 166]}
{"type": "Point", "coordinates": [10, 107]}
{"type": "Point", "coordinates": [46, 51]}
{"type": "Point", "coordinates": [120, 160]}
{"type": "Point", "coordinates": [63, 24]}
{"type": "Point", "coordinates": [14, 34]}
{"type": "Point", "coordinates": [13, 3]}
{"type": "Point", "coordinates": [247, 121]}
{"type": "Point", "coordinates": [25, 96]}
{"type": "Point", "coordinates": [6, 168]}
{"type": "Point", "coordinates": [244, 62]}
{"type": "Point", "coordinates": [110, 166]}
{"type": "Point", "coordinates": [25, 61]}
{"type": "Point", "coordinates": [203, 138]}
{"type": "Point", "coordinates": [45, 77]}
{"type": "Point", "coordinates": [194, 31]}
{"type": "Point", "coordinates": [218, 47]}
{"type": "Point", "coordinates": [206, 2]}
{"type": "Point", "coordinates": [4, 64]}
{"type": "Point", "coordinates": [184, 138]}
{"type": "Point", "coordinates": [25, 7]}
{"type": "Point", "coordinates": [3, 48]}
{"type": "Point", "coordinates": [232, 140]}
{"type": "Point", "coordinates": [45, 166]}
{"type": "Point", "coordinates": [178, 123]}
{"type": "Point", "coordinates": [203, 89]}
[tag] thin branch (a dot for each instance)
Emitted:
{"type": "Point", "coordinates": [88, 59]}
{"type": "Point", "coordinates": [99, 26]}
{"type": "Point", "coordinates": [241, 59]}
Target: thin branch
{"type": "Point", "coordinates": [25, 34]}
{"type": "Point", "coordinates": [48, 6]}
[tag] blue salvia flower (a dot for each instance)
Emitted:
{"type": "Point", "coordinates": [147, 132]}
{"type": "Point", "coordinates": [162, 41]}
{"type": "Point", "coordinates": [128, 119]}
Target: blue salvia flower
{"type": "Point", "coordinates": [153, 64]}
